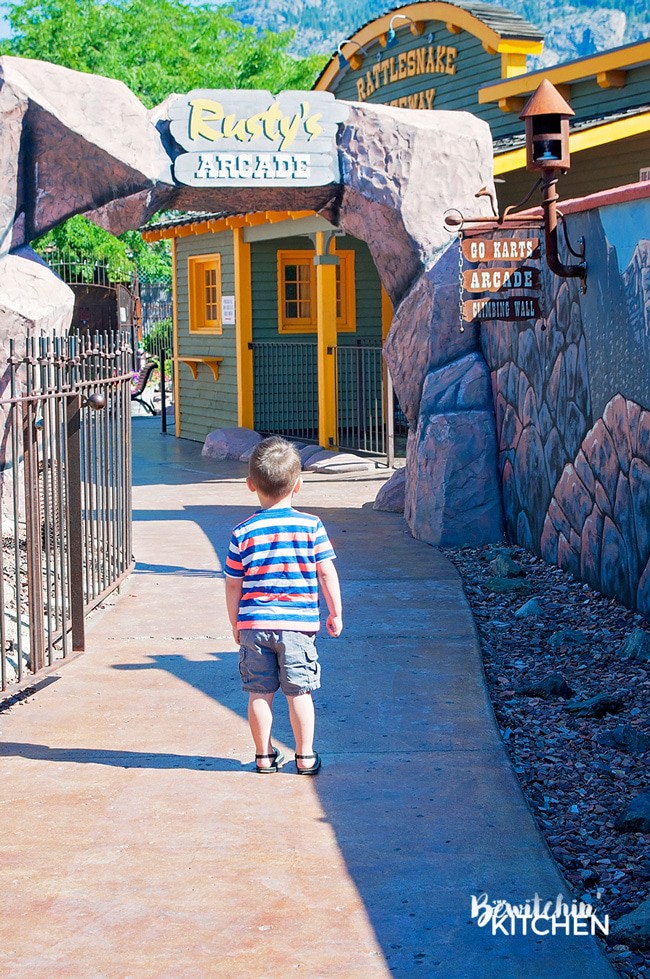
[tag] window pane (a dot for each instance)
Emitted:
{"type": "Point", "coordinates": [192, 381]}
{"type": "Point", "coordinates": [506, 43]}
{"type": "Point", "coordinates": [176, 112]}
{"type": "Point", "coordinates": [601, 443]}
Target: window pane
{"type": "Point", "coordinates": [297, 290]}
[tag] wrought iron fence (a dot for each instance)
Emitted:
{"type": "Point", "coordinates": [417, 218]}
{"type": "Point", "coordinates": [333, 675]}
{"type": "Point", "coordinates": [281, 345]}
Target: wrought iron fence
{"type": "Point", "coordinates": [286, 389]}
{"type": "Point", "coordinates": [65, 493]}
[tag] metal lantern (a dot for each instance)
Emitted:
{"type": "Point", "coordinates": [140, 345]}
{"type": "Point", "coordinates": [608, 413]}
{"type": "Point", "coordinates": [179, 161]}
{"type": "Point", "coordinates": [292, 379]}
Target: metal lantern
{"type": "Point", "coordinates": [546, 116]}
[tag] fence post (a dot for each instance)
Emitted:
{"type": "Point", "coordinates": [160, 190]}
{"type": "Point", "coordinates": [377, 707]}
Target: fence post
{"type": "Point", "coordinates": [35, 538]}
{"type": "Point", "coordinates": [163, 395]}
{"type": "Point", "coordinates": [75, 525]}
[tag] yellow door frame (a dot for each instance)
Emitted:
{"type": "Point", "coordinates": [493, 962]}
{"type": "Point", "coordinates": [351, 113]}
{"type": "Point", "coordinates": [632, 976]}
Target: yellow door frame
{"type": "Point", "coordinates": [244, 331]}
{"type": "Point", "coordinates": [325, 264]}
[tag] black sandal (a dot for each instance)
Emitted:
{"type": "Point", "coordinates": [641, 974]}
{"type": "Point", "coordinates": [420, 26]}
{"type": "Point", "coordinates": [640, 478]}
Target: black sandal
{"type": "Point", "coordinates": [278, 758]}
{"type": "Point", "coordinates": [312, 768]}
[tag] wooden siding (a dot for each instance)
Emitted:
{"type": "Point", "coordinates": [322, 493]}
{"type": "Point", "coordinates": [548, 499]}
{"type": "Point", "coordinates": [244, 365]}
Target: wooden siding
{"type": "Point", "coordinates": [265, 289]}
{"type": "Point", "coordinates": [592, 170]}
{"type": "Point", "coordinates": [265, 325]}
{"type": "Point", "coordinates": [589, 101]}
{"type": "Point", "coordinates": [205, 404]}
{"type": "Point", "coordinates": [474, 68]}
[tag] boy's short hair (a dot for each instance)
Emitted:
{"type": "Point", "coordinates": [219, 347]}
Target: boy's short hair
{"type": "Point", "coordinates": [274, 467]}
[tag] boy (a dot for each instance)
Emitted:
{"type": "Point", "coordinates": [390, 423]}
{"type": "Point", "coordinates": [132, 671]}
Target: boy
{"type": "Point", "coordinates": [277, 559]}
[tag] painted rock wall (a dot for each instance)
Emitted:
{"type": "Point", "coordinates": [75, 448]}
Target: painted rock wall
{"type": "Point", "coordinates": [573, 411]}
{"type": "Point", "coordinates": [442, 382]}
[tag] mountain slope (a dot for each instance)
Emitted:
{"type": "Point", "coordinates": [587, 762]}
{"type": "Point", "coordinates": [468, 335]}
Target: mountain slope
{"type": "Point", "coordinates": [572, 31]}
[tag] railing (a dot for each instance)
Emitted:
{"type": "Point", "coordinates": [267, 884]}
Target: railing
{"type": "Point", "coordinates": [286, 389]}
{"type": "Point", "coordinates": [362, 399]}
{"type": "Point", "coordinates": [158, 343]}
{"type": "Point", "coordinates": [65, 495]}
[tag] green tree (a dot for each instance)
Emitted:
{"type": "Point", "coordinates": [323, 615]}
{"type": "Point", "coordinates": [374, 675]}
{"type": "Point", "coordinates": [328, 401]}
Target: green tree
{"type": "Point", "coordinates": [156, 47]}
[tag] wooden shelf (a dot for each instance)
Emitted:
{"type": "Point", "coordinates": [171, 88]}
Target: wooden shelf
{"type": "Point", "coordinates": [193, 364]}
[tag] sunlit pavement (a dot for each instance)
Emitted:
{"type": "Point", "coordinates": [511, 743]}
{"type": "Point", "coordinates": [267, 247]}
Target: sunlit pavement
{"type": "Point", "coordinates": [136, 838]}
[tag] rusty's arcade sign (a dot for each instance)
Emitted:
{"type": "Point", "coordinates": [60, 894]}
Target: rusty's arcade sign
{"type": "Point", "coordinates": [255, 139]}
{"type": "Point", "coordinates": [513, 289]}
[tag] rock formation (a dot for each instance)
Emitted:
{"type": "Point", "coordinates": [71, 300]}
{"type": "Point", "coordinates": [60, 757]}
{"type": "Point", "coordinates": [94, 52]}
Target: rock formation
{"type": "Point", "coordinates": [76, 143]}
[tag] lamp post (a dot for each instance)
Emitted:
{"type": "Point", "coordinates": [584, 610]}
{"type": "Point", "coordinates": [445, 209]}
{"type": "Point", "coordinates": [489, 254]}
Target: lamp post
{"type": "Point", "coordinates": [546, 116]}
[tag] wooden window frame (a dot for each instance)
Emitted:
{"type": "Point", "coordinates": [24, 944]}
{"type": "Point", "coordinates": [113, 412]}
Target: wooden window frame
{"type": "Point", "coordinates": [347, 321]}
{"type": "Point", "coordinates": [196, 267]}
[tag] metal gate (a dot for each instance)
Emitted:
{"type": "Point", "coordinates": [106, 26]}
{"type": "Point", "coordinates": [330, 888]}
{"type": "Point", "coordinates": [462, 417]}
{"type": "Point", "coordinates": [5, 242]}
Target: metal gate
{"type": "Point", "coordinates": [65, 503]}
{"type": "Point", "coordinates": [364, 425]}
{"type": "Point", "coordinates": [286, 389]}
{"type": "Point", "coordinates": [286, 394]}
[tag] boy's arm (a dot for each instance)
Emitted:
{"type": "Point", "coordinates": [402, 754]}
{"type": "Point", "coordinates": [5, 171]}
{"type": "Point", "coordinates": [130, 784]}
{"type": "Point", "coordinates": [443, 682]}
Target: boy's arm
{"type": "Point", "coordinates": [234, 588]}
{"type": "Point", "coordinates": [328, 580]}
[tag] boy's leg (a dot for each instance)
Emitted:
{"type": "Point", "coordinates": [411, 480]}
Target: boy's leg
{"type": "Point", "coordinates": [260, 719]}
{"type": "Point", "coordinates": [303, 720]}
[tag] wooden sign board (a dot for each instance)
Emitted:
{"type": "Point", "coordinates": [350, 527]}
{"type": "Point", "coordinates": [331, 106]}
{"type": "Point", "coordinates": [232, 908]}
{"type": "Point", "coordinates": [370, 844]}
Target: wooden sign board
{"type": "Point", "coordinates": [255, 139]}
{"type": "Point", "coordinates": [499, 279]}
{"type": "Point", "coordinates": [513, 309]}
{"type": "Point", "coordinates": [500, 249]}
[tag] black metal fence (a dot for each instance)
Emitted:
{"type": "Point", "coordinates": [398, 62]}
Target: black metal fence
{"type": "Point", "coordinates": [65, 495]}
{"type": "Point", "coordinates": [362, 414]}
{"type": "Point", "coordinates": [286, 389]}
{"type": "Point", "coordinates": [158, 344]}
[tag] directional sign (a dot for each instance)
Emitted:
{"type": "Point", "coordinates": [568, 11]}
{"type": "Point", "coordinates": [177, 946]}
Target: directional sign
{"type": "Point", "coordinates": [499, 279]}
{"type": "Point", "coordinates": [513, 309]}
{"type": "Point", "coordinates": [500, 249]}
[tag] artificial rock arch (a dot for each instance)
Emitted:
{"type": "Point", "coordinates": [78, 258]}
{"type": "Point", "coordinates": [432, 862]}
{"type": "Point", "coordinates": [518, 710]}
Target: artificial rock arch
{"type": "Point", "coordinates": [74, 143]}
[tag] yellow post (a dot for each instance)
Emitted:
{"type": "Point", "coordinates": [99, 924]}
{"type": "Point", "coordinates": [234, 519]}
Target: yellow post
{"type": "Point", "coordinates": [175, 362]}
{"type": "Point", "coordinates": [244, 330]}
{"type": "Point", "coordinates": [386, 314]}
{"type": "Point", "coordinates": [326, 341]}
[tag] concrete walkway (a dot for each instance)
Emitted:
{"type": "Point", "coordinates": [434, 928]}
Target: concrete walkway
{"type": "Point", "coordinates": [136, 840]}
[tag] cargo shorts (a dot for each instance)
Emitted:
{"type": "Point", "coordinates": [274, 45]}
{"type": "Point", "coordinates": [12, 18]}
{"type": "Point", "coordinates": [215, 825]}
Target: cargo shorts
{"type": "Point", "coordinates": [269, 660]}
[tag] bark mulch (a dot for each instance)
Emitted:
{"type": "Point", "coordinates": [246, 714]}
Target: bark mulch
{"type": "Point", "coordinates": [575, 786]}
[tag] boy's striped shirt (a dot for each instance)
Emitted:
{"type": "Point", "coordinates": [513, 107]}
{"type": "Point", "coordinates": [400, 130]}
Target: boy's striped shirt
{"type": "Point", "coordinates": [276, 552]}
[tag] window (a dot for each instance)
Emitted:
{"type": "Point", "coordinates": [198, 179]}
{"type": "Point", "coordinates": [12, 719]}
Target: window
{"type": "Point", "coordinates": [297, 292]}
{"type": "Point", "coordinates": [204, 281]}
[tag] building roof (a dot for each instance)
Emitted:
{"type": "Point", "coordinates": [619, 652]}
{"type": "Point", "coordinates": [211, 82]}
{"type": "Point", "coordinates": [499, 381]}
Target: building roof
{"type": "Point", "coordinates": [500, 30]}
{"type": "Point", "coordinates": [607, 67]}
{"type": "Point", "coordinates": [182, 218]}
{"type": "Point", "coordinates": [204, 222]}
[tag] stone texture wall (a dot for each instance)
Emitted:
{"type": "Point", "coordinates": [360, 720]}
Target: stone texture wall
{"type": "Point", "coordinates": [442, 381]}
{"type": "Point", "coordinates": [572, 407]}
{"type": "Point", "coordinates": [400, 171]}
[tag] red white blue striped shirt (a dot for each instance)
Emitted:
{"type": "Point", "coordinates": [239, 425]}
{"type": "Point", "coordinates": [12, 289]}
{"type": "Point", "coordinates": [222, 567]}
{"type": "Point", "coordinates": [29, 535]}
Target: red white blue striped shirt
{"type": "Point", "coordinates": [276, 552]}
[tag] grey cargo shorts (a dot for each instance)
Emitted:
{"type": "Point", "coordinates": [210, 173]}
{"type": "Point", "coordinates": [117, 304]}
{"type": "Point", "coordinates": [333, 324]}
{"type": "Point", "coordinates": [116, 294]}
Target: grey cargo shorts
{"type": "Point", "coordinates": [269, 660]}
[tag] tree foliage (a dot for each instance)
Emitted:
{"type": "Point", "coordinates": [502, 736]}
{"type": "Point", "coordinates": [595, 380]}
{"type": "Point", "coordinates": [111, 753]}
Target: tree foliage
{"type": "Point", "coordinates": [156, 47]}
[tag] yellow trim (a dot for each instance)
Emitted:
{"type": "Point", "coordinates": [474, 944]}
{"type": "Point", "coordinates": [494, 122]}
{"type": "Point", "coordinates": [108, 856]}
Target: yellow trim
{"type": "Point", "coordinates": [386, 314]}
{"type": "Point", "coordinates": [611, 79]}
{"type": "Point", "coordinates": [585, 139]}
{"type": "Point", "coordinates": [347, 321]}
{"type": "Point", "coordinates": [512, 105]}
{"type": "Point", "coordinates": [512, 65]}
{"type": "Point", "coordinates": [215, 225]}
{"type": "Point", "coordinates": [177, 384]}
{"type": "Point", "coordinates": [326, 344]}
{"type": "Point", "coordinates": [298, 324]}
{"type": "Point", "coordinates": [575, 71]}
{"type": "Point", "coordinates": [197, 266]}
{"type": "Point", "coordinates": [448, 15]}
{"type": "Point", "coordinates": [193, 364]}
{"type": "Point", "coordinates": [244, 330]}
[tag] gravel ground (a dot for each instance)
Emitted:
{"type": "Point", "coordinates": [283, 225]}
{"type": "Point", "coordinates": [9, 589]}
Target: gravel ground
{"type": "Point", "coordinates": [576, 787]}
